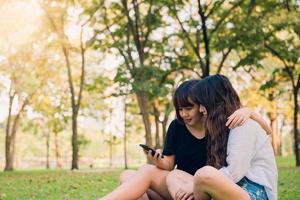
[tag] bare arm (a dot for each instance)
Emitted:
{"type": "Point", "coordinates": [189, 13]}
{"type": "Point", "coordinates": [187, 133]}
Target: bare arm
{"type": "Point", "coordinates": [261, 122]}
{"type": "Point", "coordinates": [166, 163]}
{"type": "Point", "coordinates": [240, 116]}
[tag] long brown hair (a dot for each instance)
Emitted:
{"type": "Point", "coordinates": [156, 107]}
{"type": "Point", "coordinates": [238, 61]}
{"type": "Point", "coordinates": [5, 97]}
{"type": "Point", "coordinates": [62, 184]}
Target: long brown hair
{"type": "Point", "coordinates": [219, 98]}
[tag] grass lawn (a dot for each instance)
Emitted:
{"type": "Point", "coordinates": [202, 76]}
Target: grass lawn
{"type": "Point", "coordinates": [65, 185]}
{"type": "Point", "coordinates": [57, 184]}
{"type": "Point", "coordinates": [289, 179]}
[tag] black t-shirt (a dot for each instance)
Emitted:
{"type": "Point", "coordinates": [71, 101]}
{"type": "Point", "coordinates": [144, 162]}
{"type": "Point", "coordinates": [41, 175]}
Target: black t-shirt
{"type": "Point", "coordinates": [190, 152]}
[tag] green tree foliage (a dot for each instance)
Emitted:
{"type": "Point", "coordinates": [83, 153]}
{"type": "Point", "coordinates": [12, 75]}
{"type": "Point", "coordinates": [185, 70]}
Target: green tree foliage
{"type": "Point", "coordinates": [210, 32]}
{"type": "Point", "coordinates": [127, 29]}
{"type": "Point", "coordinates": [59, 17]}
{"type": "Point", "coordinates": [273, 29]}
{"type": "Point", "coordinates": [27, 73]}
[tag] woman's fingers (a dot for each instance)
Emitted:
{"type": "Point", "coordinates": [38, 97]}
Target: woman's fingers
{"type": "Point", "coordinates": [238, 118]}
{"type": "Point", "coordinates": [181, 195]}
{"type": "Point", "coordinates": [230, 118]}
{"type": "Point", "coordinates": [158, 155]}
{"type": "Point", "coordinates": [191, 197]}
{"type": "Point", "coordinates": [185, 196]}
{"type": "Point", "coordinates": [234, 121]}
{"type": "Point", "coordinates": [150, 157]}
{"type": "Point", "coordinates": [178, 195]}
{"type": "Point", "coordinates": [243, 122]}
{"type": "Point", "coordinates": [237, 123]}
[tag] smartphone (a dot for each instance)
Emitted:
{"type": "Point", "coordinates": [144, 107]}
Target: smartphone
{"type": "Point", "coordinates": [147, 149]}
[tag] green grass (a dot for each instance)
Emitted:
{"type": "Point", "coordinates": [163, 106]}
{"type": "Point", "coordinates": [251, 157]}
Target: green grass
{"type": "Point", "coordinates": [67, 185]}
{"type": "Point", "coordinates": [53, 184]}
{"type": "Point", "coordinates": [289, 179]}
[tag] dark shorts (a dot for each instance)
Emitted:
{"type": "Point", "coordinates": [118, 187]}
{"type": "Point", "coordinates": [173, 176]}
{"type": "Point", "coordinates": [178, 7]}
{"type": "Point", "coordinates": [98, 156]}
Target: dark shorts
{"type": "Point", "coordinates": [255, 190]}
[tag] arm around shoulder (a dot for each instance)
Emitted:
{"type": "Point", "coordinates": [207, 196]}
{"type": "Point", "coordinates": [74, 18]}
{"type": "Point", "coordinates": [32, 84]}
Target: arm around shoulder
{"type": "Point", "coordinates": [240, 116]}
{"type": "Point", "coordinates": [261, 122]}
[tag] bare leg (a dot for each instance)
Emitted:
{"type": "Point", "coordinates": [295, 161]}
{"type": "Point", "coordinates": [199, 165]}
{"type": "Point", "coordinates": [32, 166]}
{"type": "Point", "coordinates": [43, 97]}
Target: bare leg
{"type": "Point", "coordinates": [150, 194]}
{"type": "Point", "coordinates": [148, 176]}
{"type": "Point", "coordinates": [211, 183]}
{"type": "Point", "coordinates": [126, 176]}
{"type": "Point", "coordinates": [176, 179]}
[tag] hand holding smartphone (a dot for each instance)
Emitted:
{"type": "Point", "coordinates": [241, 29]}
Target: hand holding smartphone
{"type": "Point", "coordinates": [147, 149]}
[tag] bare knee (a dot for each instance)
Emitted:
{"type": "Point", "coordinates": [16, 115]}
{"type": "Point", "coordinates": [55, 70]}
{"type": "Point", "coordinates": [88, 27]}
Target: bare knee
{"type": "Point", "coordinates": [172, 182]}
{"type": "Point", "coordinates": [205, 176]}
{"type": "Point", "coordinates": [126, 175]}
{"type": "Point", "coordinates": [175, 179]}
{"type": "Point", "coordinates": [145, 169]}
{"type": "Point", "coordinates": [172, 177]}
{"type": "Point", "coordinates": [148, 169]}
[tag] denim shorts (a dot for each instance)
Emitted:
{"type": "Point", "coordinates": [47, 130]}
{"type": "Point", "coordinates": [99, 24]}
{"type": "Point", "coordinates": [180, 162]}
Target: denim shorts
{"type": "Point", "coordinates": [255, 190]}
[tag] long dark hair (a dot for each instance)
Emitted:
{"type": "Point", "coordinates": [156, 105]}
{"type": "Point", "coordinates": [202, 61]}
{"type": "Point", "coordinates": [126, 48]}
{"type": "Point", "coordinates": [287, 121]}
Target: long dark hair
{"type": "Point", "coordinates": [181, 96]}
{"type": "Point", "coordinates": [220, 99]}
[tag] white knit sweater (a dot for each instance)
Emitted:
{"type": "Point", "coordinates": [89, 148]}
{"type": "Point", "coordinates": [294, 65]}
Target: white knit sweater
{"type": "Point", "coordinates": [250, 154]}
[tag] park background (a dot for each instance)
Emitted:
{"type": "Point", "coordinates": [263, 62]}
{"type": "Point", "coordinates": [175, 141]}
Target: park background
{"type": "Point", "coordinates": [82, 83]}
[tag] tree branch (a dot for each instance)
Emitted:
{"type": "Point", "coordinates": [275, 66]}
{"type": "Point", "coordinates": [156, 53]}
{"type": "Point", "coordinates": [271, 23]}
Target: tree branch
{"type": "Point", "coordinates": [224, 57]}
{"type": "Point", "coordinates": [286, 66]}
{"type": "Point", "coordinates": [227, 13]}
{"type": "Point", "coordinates": [139, 32]}
{"type": "Point", "coordinates": [62, 37]}
{"type": "Point", "coordinates": [127, 63]}
{"type": "Point", "coordinates": [205, 39]}
{"type": "Point", "coordinates": [82, 53]}
{"type": "Point", "coordinates": [149, 22]}
{"type": "Point", "coordinates": [216, 6]}
{"type": "Point", "coordinates": [196, 51]}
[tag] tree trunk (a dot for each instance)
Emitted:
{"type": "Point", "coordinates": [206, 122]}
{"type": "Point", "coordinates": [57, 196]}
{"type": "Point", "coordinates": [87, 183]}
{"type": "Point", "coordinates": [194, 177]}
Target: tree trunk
{"type": "Point", "coordinates": [296, 131]}
{"type": "Point", "coordinates": [125, 135]}
{"type": "Point", "coordinates": [143, 105]}
{"type": "Point", "coordinates": [11, 135]}
{"type": "Point", "coordinates": [74, 110]}
{"type": "Point", "coordinates": [206, 67]}
{"type": "Point", "coordinates": [110, 148]}
{"type": "Point", "coordinates": [164, 127]}
{"type": "Point", "coordinates": [74, 141]}
{"type": "Point", "coordinates": [10, 148]}
{"type": "Point", "coordinates": [57, 151]}
{"type": "Point", "coordinates": [156, 119]}
{"type": "Point", "coordinates": [75, 106]}
{"type": "Point", "coordinates": [8, 155]}
{"type": "Point", "coordinates": [274, 125]}
{"type": "Point", "coordinates": [8, 139]}
{"type": "Point", "coordinates": [47, 150]}
{"type": "Point", "coordinates": [157, 135]}
{"type": "Point", "coordinates": [10, 152]}
{"type": "Point", "coordinates": [167, 113]}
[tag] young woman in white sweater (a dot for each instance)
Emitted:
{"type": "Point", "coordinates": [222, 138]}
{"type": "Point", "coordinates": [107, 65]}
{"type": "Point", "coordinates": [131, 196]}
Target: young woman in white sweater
{"type": "Point", "coordinates": [240, 161]}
